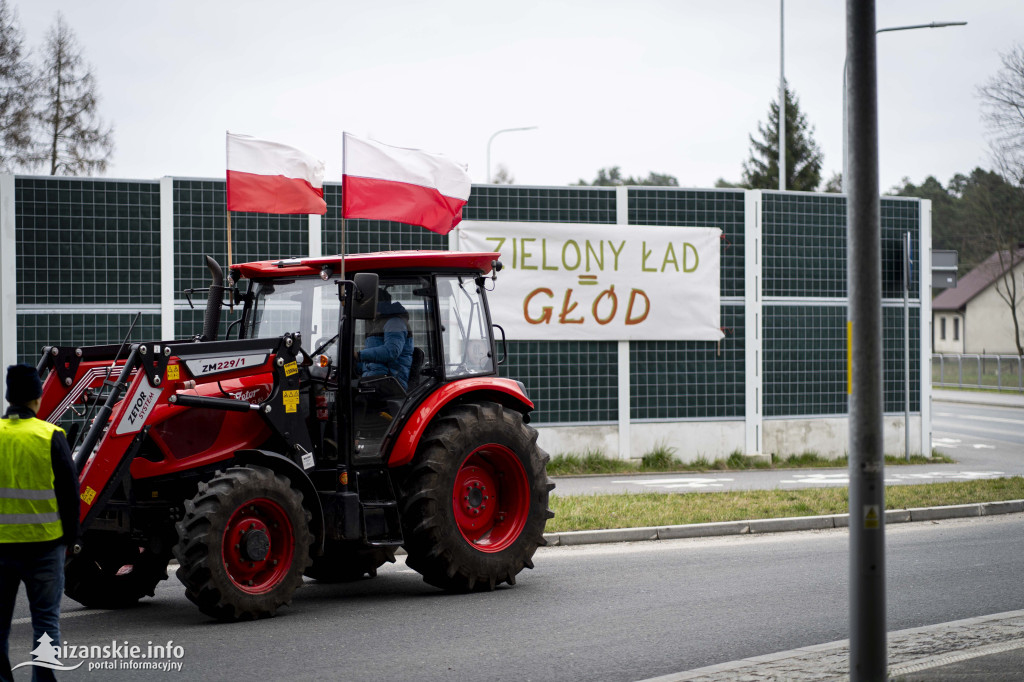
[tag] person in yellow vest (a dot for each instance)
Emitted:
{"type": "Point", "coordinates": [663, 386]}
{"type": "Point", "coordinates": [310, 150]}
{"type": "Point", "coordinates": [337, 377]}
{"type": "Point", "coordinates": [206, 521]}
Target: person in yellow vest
{"type": "Point", "coordinates": [38, 513]}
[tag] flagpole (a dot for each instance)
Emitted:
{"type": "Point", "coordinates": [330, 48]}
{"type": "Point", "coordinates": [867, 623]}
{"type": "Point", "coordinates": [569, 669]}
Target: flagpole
{"type": "Point", "coordinates": [343, 158]}
{"type": "Point", "coordinates": [229, 239]}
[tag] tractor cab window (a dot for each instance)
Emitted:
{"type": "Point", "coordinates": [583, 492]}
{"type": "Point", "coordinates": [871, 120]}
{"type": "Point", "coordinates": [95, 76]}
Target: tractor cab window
{"type": "Point", "coordinates": [308, 306]}
{"type": "Point", "coordinates": [465, 330]}
{"type": "Point", "coordinates": [397, 341]}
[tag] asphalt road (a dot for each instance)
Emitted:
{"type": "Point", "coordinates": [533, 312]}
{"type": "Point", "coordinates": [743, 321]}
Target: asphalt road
{"type": "Point", "coordinates": [609, 612]}
{"type": "Point", "coordinates": [979, 435]}
{"type": "Point", "coordinates": [987, 441]}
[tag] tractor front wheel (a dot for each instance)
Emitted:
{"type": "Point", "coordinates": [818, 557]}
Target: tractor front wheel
{"type": "Point", "coordinates": [475, 501]}
{"type": "Point", "coordinates": [243, 544]}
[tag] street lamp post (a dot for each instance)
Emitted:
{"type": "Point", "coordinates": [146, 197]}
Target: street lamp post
{"type": "Point", "coordinates": [491, 139]}
{"type": "Point", "coordinates": [782, 95]}
{"type": "Point", "coordinates": [846, 62]}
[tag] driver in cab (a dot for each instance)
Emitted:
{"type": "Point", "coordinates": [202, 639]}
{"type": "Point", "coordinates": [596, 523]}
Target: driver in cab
{"type": "Point", "coordinates": [389, 344]}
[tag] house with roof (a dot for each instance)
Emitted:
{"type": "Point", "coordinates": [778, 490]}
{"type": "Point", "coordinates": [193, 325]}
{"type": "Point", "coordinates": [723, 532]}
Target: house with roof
{"type": "Point", "coordinates": [975, 317]}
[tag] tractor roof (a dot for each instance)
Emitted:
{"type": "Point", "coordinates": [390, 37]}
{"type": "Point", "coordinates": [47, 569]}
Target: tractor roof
{"type": "Point", "coordinates": [432, 261]}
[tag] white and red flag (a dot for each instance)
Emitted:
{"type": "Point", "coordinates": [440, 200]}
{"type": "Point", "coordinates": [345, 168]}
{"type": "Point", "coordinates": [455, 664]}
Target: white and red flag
{"type": "Point", "coordinates": [268, 177]}
{"type": "Point", "coordinates": [381, 182]}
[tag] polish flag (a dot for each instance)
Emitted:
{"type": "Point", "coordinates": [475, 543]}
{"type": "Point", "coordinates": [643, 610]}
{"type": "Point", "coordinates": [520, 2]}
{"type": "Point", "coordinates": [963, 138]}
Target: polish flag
{"type": "Point", "coordinates": [381, 182]}
{"type": "Point", "coordinates": [267, 177]}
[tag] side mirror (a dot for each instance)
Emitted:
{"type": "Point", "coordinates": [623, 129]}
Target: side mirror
{"type": "Point", "coordinates": [364, 295]}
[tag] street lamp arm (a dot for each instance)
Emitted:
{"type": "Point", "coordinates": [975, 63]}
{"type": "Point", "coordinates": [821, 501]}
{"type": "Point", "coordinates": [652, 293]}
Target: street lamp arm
{"type": "Point", "coordinates": [934, 24]}
{"type": "Point", "coordinates": [491, 139]}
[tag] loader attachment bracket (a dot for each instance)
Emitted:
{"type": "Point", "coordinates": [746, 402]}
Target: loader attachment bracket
{"type": "Point", "coordinates": [153, 360]}
{"type": "Point", "coordinates": [64, 360]}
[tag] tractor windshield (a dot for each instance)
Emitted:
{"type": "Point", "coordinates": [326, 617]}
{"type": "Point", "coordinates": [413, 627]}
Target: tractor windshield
{"type": "Point", "coordinates": [308, 306]}
{"type": "Point", "coordinates": [466, 330]}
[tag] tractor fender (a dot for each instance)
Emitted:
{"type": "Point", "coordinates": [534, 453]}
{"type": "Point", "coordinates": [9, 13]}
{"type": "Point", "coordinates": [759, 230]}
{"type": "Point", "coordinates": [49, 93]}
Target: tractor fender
{"type": "Point", "coordinates": [282, 465]}
{"type": "Point", "coordinates": [507, 392]}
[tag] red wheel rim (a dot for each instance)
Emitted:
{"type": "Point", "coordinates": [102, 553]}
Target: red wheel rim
{"type": "Point", "coordinates": [491, 498]}
{"type": "Point", "coordinates": [258, 546]}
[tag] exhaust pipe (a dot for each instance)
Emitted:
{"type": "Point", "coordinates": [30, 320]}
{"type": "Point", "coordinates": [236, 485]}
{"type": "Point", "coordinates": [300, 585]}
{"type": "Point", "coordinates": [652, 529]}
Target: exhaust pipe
{"type": "Point", "coordinates": [214, 301]}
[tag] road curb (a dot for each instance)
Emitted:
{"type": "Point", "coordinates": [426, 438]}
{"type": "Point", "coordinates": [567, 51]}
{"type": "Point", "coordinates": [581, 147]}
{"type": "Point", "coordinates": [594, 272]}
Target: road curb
{"type": "Point", "coordinates": [783, 525]}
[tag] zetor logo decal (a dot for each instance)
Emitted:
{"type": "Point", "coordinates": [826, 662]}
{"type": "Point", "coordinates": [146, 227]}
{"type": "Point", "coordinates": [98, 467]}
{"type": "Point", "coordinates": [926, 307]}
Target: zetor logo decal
{"type": "Point", "coordinates": [204, 366]}
{"type": "Point", "coordinates": [137, 411]}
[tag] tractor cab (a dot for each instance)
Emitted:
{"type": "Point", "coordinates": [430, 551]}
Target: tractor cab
{"type": "Point", "coordinates": [408, 332]}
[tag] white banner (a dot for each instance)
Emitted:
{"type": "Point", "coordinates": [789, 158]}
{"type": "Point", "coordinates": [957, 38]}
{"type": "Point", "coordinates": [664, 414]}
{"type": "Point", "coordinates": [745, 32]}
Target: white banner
{"type": "Point", "coordinates": [570, 281]}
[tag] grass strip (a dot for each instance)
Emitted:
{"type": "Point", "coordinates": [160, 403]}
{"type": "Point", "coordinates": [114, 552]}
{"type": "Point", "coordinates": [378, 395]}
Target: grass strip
{"type": "Point", "coordinates": [663, 460]}
{"type": "Point", "coordinates": [633, 510]}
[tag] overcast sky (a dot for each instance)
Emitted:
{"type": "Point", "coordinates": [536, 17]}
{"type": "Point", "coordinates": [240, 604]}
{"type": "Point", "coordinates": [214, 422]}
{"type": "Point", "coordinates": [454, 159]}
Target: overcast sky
{"type": "Point", "coordinates": [671, 86]}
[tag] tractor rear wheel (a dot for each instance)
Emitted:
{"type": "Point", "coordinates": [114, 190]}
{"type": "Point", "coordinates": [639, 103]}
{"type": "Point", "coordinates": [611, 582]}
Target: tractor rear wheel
{"type": "Point", "coordinates": [113, 572]}
{"type": "Point", "coordinates": [342, 565]}
{"type": "Point", "coordinates": [243, 544]}
{"type": "Point", "coordinates": [475, 501]}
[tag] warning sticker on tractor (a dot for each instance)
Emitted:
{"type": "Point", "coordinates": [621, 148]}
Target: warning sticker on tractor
{"type": "Point", "coordinates": [88, 495]}
{"type": "Point", "coordinates": [291, 400]}
{"type": "Point", "coordinates": [173, 373]}
{"type": "Point", "coordinates": [871, 516]}
{"type": "Point", "coordinates": [291, 368]}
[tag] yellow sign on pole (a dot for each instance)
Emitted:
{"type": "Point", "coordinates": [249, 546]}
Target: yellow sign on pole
{"type": "Point", "coordinates": [849, 357]}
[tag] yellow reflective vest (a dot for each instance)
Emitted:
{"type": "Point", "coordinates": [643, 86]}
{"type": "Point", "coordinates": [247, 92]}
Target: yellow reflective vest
{"type": "Point", "coordinates": [28, 501]}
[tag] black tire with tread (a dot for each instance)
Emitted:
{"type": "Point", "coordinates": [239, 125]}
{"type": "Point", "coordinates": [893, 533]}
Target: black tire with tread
{"type": "Point", "coordinates": [436, 547]}
{"type": "Point", "coordinates": [200, 533]}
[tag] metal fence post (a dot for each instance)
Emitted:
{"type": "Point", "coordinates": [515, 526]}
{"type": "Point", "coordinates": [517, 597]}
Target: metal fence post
{"type": "Point", "coordinates": [625, 437]}
{"type": "Point", "coordinates": [167, 330]}
{"type": "Point", "coordinates": [753, 308]}
{"type": "Point", "coordinates": [8, 275]}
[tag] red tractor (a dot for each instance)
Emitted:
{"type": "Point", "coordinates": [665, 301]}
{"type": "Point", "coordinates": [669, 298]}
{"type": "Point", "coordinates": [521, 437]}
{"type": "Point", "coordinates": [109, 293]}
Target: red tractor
{"type": "Point", "coordinates": [296, 446]}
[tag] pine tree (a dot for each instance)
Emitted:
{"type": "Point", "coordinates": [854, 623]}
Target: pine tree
{"type": "Point", "coordinates": [75, 139]}
{"type": "Point", "coordinates": [16, 94]}
{"type": "Point", "coordinates": [803, 157]}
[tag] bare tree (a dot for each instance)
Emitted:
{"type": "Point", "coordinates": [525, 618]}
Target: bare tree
{"type": "Point", "coordinates": [1002, 101]}
{"type": "Point", "coordinates": [16, 94]}
{"type": "Point", "coordinates": [76, 141]}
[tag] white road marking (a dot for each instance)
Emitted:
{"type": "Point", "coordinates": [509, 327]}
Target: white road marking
{"type": "Point", "coordinates": [971, 417]}
{"type": "Point", "coordinates": [64, 615]}
{"type": "Point", "coordinates": [986, 430]}
{"type": "Point", "coordinates": [677, 480]}
{"type": "Point", "coordinates": [843, 479]}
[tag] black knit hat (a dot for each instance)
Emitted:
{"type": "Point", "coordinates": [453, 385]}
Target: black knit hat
{"type": "Point", "coordinates": [23, 384]}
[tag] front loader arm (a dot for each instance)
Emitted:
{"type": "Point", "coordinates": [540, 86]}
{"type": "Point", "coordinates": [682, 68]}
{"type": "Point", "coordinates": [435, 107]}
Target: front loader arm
{"type": "Point", "coordinates": [159, 378]}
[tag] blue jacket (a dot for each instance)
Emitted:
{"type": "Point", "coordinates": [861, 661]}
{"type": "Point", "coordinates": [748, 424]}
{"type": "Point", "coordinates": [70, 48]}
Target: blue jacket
{"type": "Point", "coordinates": [388, 345]}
